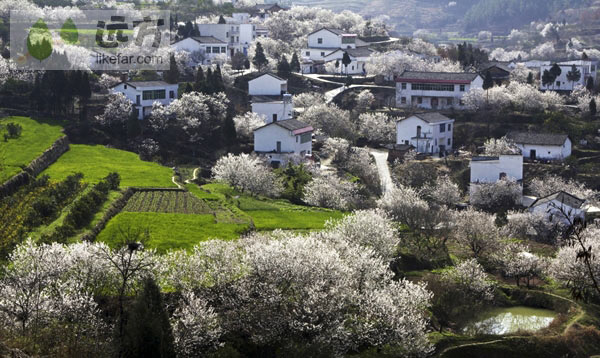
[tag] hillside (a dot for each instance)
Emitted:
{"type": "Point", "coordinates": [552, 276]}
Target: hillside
{"type": "Point", "coordinates": [462, 16]}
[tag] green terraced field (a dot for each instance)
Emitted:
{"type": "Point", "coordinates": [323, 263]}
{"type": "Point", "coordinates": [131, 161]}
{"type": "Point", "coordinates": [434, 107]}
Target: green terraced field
{"type": "Point", "coordinates": [166, 202]}
{"type": "Point", "coordinates": [36, 137]}
{"type": "Point", "coordinates": [96, 161]}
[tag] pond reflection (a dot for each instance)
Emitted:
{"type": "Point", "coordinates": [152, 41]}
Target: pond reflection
{"type": "Point", "coordinates": [509, 320]}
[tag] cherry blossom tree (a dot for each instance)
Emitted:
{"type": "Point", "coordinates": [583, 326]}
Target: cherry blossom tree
{"type": "Point", "coordinates": [469, 280]}
{"type": "Point", "coordinates": [516, 261]}
{"type": "Point", "coordinates": [106, 81]}
{"type": "Point", "coordinates": [308, 99]}
{"type": "Point", "coordinates": [551, 184]}
{"type": "Point", "coordinates": [500, 54]}
{"type": "Point", "coordinates": [247, 173]}
{"type": "Point", "coordinates": [330, 191]}
{"type": "Point", "coordinates": [365, 99]}
{"type": "Point", "coordinates": [503, 194]}
{"type": "Point", "coordinates": [545, 50]}
{"type": "Point", "coordinates": [475, 231]}
{"type": "Point", "coordinates": [246, 123]}
{"type": "Point", "coordinates": [377, 127]}
{"type": "Point", "coordinates": [526, 225]}
{"type": "Point", "coordinates": [117, 111]}
{"type": "Point", "coordinates": [501, 146]}
{"type": "Point", "coordinates": [391, 63]}
{"type": "Point", "coordinates": [443, 192]}
{"type": "Point", "coordinates": [329, 120]}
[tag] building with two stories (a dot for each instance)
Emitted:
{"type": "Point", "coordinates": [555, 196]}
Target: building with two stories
{"type": "Point", "coordinates": [143, 94]}
{"type": "Point", "coordinates": [281, 141]}
{"type": "Point", "coordinates": [429, 133]}
{"type": "Point", "coordinates": [208, 47]}
{"type": "Point", "coordinates": [586, 68]}
{"type": "Point", "coordinates": [434, 90]}
{"type": "Point", "coordinates": [269, 97]}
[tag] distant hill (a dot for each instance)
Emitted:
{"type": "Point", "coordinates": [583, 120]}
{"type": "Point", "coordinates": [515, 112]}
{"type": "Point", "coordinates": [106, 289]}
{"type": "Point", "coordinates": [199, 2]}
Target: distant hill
{"type": "Point", "coordinates": [455, 15]}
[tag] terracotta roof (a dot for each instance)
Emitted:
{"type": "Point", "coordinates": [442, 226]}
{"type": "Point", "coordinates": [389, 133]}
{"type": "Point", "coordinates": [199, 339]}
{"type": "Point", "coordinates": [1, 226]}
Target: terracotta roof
{"type": "Point", "coordinates": [562, 197]}
{"type": "Point", "coordinates": [537, 138]}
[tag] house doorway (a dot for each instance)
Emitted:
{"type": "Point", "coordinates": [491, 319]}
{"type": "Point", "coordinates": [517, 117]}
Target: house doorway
{"type": "Point", "coordinates": [434, 103]}
{"type": "Point", "coordinates": [278, 147]}
{"type": "Point", "coordinates": [532, 154]}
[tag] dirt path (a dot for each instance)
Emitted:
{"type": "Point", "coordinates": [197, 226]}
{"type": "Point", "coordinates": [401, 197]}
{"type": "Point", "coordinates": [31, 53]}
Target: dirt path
{"type": "Point", "coordinates": [194, 176]}
{"type": "Point", "coordinates": [384, 170]}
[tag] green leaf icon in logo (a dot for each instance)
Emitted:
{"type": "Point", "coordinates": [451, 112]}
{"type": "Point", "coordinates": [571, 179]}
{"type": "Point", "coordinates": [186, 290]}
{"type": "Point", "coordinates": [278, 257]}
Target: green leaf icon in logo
{"type": "Point", "coordinates": [69, 32]}
{"type": "Point", "coordinates": [39, 41]}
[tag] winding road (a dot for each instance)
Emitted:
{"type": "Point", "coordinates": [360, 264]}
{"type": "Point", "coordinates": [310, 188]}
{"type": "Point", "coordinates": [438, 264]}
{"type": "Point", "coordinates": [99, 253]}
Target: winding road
{"type": "Point", "coordinates": [384, 170]}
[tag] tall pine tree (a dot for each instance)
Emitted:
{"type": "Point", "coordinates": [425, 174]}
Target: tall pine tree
{"type": "Point", "coordinates": [294, 63]}
{"type": "Point", "coordinates": [172, 75]}
{"type": "Point", "coordinates": [260, 60]}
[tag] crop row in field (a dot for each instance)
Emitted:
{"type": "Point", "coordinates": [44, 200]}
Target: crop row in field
{"type": "Point", "coordinates": [166, 201]}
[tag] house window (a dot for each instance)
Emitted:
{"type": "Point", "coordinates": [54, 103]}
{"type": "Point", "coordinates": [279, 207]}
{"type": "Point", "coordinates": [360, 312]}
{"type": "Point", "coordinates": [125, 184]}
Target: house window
{"type": "Point", "coordinates": [557, 83]}
{"type": "Point", "coordinates": [449, 127]}
{"type": "Point", "coordinates": [462, 88]}
{"type": "Point", "coordinates": [449, 141]}
{"type": "Point", "coordinates": [274, 117]}
{"type": "Point", "coordinates": [432, 87]}
{"type": "Point", "coordinates": [593, 68]}
{"type": "Point", "coordinates": [403, 100]}
{"type": "Point", "coordinates": [419, 100]}
{"type": "Point", "coordinates": [153, 94]}
{"type": "Point", "coordinates": [223, 50]}
{"type": "Point", "coordinates": [232, 38]}
{"type": "Point", "coordinates": [353, 68]}
{"type": "Point", "coordinates": [307, 53]}
{"type": "Point", "coordinates": [323, 54]}
{"type": "Point", "coordinates": [124, 86]}
{"type": "Point", "coordinates": [171, 94]}
{"type": "Point", "coordinates": [208, 49]}
{"type": "Point", "coordinates": [215, 49]}
{"type": "Point", "coordinates": [306, 137]}
{"type": "Point", "coordinates": [442, 127]}
{"type": "Point", "coordinates": [403, 85]}
{"type": "Point", "coordinates": [319, 40]}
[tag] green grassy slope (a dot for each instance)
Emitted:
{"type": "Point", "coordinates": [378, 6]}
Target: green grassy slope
{"type": "Point", "coordinates": [36, 137]}
{"type": "Point", "coordinates": [95, 162]}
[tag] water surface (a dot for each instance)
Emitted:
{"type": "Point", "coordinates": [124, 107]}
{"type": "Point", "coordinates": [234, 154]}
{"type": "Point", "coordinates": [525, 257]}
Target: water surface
{"type": "Point", "coordinates": [504, 320]}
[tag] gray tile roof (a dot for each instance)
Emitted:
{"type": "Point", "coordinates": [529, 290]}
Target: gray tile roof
{"type": "Point", "coordinates": [266, 99]}
{"type": "Point", "coordinates": [359, 52]}
{"type": "Point", "coordinates": [484, 159]}
{"type": "Point", "coordinates": [562, 197]}
{"type": "Point", "coordinates": [208, 40]}
{"type": "Point", "coordinates": [432, 117]}
{"type": "Point", "coordinates": [440, 76]}
{"type": "Point", "coordinates": [537, 138]}
{"type": "Point", "coordinates": [289, 124]}
{"type": "Point", "coordinates": [136, 84]}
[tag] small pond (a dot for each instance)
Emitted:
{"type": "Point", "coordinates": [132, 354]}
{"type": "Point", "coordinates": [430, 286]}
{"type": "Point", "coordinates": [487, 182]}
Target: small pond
{"type": "Point", "coordinates": [504, 320]}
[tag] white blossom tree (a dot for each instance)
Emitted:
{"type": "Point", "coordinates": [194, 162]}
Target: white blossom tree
{"type": "Point", "coordinates": [475, 231]}
{"type": "Point", "coordinates": [503, 194]}
{"type": "Point", "coordinates": [500, 146]}
{"type": "Point", "coordinates": [329, 120]}
{"type": "Point", "coordinates": [365, 99]}
{"type": "Point", "coordinates": [330, 191]}
{"type": "Point", "coordinates": [516, 261]}
{"type": "Point", "coordinates": [308, 99]}
{"type": "Point", "coordinates": [246, 123]}
{"type": "Point", "coordinates": [377, 127]}
{"type": "Point", "coordinates": [551, 184]}
{"type": "Point", "coordinates": [470, 280]}
{"type": "Point", "coordinates": [117, 111]}
{"type": "Point", "coordinates": [443, 192]}
{"type": "Point", "coordinates": [247, 173]}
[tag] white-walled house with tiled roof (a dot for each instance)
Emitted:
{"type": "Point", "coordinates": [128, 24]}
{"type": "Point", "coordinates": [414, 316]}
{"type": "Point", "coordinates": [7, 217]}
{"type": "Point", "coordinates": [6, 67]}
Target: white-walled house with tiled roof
{"type": "Point", "coordinates": [434, 90]}
{"type": "Point", "coordinates": [545, 146]}
{"type": "Point", "coordinates": [281, 140]}
{"type": "Point", "coordinates": [269, 97]}
{"type": "Point", "coordinates": [560, 207]}
{"type": "Point", "coordinates": [144, 93]}
{"type": "Point", "coordinates": [358, 57]}
{"type": "Point", "coordinates": [208, 47]}
{"type": "Point", "coordinates": [429, 133]}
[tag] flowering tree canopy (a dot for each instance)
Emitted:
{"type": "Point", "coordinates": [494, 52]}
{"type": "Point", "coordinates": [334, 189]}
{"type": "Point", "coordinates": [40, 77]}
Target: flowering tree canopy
{"type": "Point", "coordinates": [247, 173]}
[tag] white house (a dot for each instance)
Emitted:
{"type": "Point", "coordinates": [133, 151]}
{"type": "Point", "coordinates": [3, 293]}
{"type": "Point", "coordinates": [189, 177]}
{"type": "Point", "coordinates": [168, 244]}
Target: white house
{"type": "Point", "coordinates": [358, 57]}
{"type": "Point", "coordinates": [434, 90]}
{"type": "Point", "coordinates": [488, 169]}
{"type": "Point", "coordinates": [544, 146]}
{"type": "Point", "coordinates": [427, 132]}
{"type": "Point", "coordinates": [326, 40]}
{"type": "Point", "coordinates": [587, 69]}
{"type": "Point", "coordinates": [238, 37]}
{"type": "Point", "coordinates": [281, 140]}
{"type": "Point", "coordinates": [144, 93]}
{"type": "Point", "coordinates": [270, 97]}
{"type": "Point", "coordinates": [560, 207]}
{"type": "Point", "coordinates": [208, 46]}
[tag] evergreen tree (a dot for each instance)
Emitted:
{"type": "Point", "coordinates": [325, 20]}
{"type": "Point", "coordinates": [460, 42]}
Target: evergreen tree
{"type": "Point", "coordinates": [346, 61]}
{"type": "Point", "coordinates": [37, 96]}
{"type": "Point", "coordinates": [593, 108]}
{"type": "Point", "coordinates": [247, 64]}
{"type": "Point", "coordinates": [208, 87]}
{"type": "Point", "coordinates": [547, 78]}
{"type": "Point", "coordinates": [172, 75]}
{"type": "Point", "coordinates": [188, 88]}
{"type": "Point", "coordinates": [530, 78]}
{"type": "Point", "coordinates": [222, 20]}
{"type": "Point", "coordinates": [200, 83]}
{"type": "Point", "coordinates": [589, 85]}
{"type": "Point", "coordinates": [148, 331]}
{"type": "Point", "coordinates": [574, 75]}
{"type": "Point", "coordinates": [218, 84]}
{"type": "Point", "coordinates": [134, 127]}
{"type": "Point", "coordinates": [228, 130]}
{"type": "Point", "coordinates": [86, 90]}
{"type": "Point", "coordinates": [283, 67]}
{"type": "Point", "coordinates": [237, 61]}
{"type": "Point", "coordinates": [488, 83]}
{"type": "Point", "coordinates": [295, 63]}
{"type": "Point", "coordinates": [555, 71]}
{"type": "Point", "coordinates": [195, 30]}
{"type": "Point", "coordinates": [348, 81]}
{"type": "Point", "coordinates": [584, 56]}
{"type": "Point", "coordinates": [188, 29]}
{"type": "Point", "coordinates": [260, 60]}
